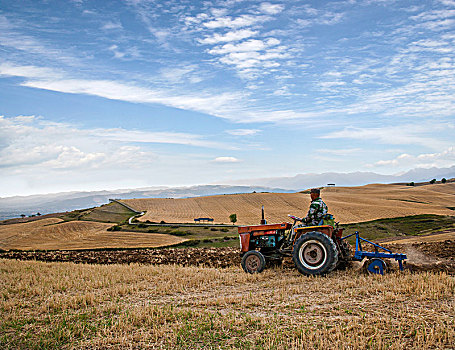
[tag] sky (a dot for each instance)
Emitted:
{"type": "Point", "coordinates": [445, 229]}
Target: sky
{"type": "Point", "coordinates": [124, 94]}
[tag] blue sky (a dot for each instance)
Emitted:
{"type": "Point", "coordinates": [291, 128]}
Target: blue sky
{"type": "Point", "coordinates": [121, 94]}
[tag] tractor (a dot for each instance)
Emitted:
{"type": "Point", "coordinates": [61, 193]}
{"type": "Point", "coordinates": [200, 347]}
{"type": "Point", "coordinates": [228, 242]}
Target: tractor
{"type": "Point", "coordinates": [315, 250]}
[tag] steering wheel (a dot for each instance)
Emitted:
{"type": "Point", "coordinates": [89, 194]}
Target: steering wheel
{"type": "Point", "coordinates": [295, 218]}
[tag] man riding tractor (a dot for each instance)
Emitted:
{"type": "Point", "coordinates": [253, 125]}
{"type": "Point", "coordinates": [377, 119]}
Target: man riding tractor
{"type": "Point", "coordinates": [315, 246]}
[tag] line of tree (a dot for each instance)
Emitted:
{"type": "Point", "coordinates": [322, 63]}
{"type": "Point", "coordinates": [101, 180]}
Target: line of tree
{"type": "Point", "coordinates": [432, 181]}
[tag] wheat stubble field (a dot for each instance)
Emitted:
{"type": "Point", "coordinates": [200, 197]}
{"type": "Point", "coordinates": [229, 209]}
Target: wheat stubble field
{"type": "Point", "coordinates": [67, 306]}
{"type": "Point", "coordinates": [63, 305]}
{"type": "Point", "coordinates": [347, 204]}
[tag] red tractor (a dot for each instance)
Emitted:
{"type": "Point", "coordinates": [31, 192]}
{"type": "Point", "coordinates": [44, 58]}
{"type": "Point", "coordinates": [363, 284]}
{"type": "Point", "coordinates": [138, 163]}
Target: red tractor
{"type": "Point", "coordinates": [315, 250]}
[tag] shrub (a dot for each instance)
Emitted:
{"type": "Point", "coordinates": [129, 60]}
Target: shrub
{"type": "Point", "coordinates": [433, 181]}
{"type": "Point", "coordinates": [179, 233]}
{"type": "Point", "coordinates": [443, 180]}
{"type": "Point", "coordinates": [233, 218]}
{"type": "Point", "coordinates": [115, 228]}
{"type": "Point", "coordinates": [411, 183]}
{"type": "Point", "coordinates": [213, 229]}
{"type": "Point", "coordinates": [224, 229]}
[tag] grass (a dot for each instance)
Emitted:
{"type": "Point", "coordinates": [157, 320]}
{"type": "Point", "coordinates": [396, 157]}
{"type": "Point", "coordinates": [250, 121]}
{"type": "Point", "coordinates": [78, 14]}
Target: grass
{"type": "Point", "coordinates": [198, 236]}
{"type": "Point", "coordinates": [64, 305]}
{"type": "Point", "coordinates": [111, 213]}
{"type": "Point", "coordinates": [402, 226]}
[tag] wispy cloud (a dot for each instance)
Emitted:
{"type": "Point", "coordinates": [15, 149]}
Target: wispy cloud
{"type": "Point", "coordinates": [313, 16]}
{"type": "Point", "coordinates": [236, 22]}
{"type": "Point", "coordinates": [243, 132]}
{"type": "Point", "coordinates": [8, 69]}
{"type": "Point", "coordinates": [158, 137]}
{"type": "Point", "coordinates": [112, 26]}
{"type": "Point", "coordinates": [226, 160]}
{"type": "Point", "coordinates": [271, 9]}
{"type": "Point", "coordinates": [237, 35]}
{"type": "Point", "coordinates": [338, 152]}
{"type": "Point", "coordinates": [425, 160]}
{"type": "Point", "coordinates": [30, 141]}
{"type": "Point", "coordinates": [201, 102]}
{"type": "Point", "coordinates": [411, 134]}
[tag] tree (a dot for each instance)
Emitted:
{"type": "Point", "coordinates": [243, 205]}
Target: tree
{"type": "Point", "coordinates": [433, 181]}
{"type": "Point", "coordinates": [411, 183]}
{"type": "Point", "coordinates": [443, 180]}
{"type": "Point", "coordinates": [233, 218]}
{"type": "Point", "coordinates": [38, 214]}
{"type": "Point", "coordinates": [23, 216]}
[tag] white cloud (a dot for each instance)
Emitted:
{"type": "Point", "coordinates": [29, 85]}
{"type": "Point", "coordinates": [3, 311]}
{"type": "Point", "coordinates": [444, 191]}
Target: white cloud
{"type": "Point", "coordinates": [433, 15]}
{"type": "Point", "coordinates": [253, 54]}
{"type": "Point", "coordinates": [226, 160]}
{"type": "Point", "coordinates": [8, 69]}
{"type": "Point", "coordinates": [271, 9]}
{"type": "Point", "coordinates": [246, 46]}
{"type": "Point", "coordinates": [243, 132]}
{"type": "Point", "coordinates": [445, 158]}
{"type": "Point", "coordinates": [201, 102]}
{"type": "Point", "coordinates": [31, 141]}
{"type": "Point", "coordinates": [237, 22]}
{"type": "Point", "coordinates": [411, 134]}
{"type": "Point", "coordinates": [181, 73]}
{"type": "Point", "coordinates": [228, 105]}
{"type": "Point", "coordinates": [112, 26]}
{"type": "Point", "coordinates": [339, 151]}
{"type": "Point", "coordinates": [320, 17]}
{"type": "Point", "coordinates": [228, 37]}
{"type": "Point", "coordinates": [157, 137]}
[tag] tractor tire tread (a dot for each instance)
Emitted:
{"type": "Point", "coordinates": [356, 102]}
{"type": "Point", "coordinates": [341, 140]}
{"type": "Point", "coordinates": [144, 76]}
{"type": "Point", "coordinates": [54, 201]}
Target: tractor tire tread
{"type": "Point", "coordinates": [330, 244]}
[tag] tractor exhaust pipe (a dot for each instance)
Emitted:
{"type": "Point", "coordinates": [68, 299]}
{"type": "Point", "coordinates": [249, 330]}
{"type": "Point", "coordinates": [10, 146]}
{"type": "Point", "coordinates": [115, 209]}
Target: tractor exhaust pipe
{"type": "Point", "coordinates": [263, 221]}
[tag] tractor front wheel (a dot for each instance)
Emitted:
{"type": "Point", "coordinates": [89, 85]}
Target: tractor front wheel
{"type": "Point", "coordinates": [253, 262]}
{"type": "Point", "coordinates": [315, 253]}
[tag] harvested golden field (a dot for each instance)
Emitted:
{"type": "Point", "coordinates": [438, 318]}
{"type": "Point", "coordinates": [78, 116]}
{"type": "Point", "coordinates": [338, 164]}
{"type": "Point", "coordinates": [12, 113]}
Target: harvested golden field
{"type": "Point", "coordinates": [64, 305]}
{"type": "Point", "coordinates": [53, 233]}
{"type": "Point", "coordinates": [347, 204]}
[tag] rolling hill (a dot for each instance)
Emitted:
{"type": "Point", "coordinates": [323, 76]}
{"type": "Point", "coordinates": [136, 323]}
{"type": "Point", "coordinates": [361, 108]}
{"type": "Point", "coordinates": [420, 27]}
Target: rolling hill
{"type": "Point", "coordinates": [54, 233]}
{"type": "Point", "coordinates": [347, 204]}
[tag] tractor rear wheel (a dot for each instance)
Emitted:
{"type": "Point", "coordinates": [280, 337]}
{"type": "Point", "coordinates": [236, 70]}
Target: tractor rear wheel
{"type": "Point", "coordinates": [315, 253]}
{"type": "Point", "coordinates": [253, 262]}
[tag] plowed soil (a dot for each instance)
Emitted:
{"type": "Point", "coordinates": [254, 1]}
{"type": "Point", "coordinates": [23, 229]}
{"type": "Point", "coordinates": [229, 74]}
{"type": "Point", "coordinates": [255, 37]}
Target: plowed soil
{"type": "Point", "coordinates": [213, 257]}
{"type": "Point", "coordinates": [348, 204]}
{"type": "Point", "coordinates": [429, 256]}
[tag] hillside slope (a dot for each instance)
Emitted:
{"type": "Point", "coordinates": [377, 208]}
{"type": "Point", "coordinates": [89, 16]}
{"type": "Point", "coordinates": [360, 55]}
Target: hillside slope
{"type": "Point", "coordinates": [347, 204]}
{"type": "Point", "coordinates": [53, 233]}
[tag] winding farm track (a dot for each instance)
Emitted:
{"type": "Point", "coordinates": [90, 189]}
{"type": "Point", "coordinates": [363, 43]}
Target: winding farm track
{"type": "Point", "coordinates": [347, 204]}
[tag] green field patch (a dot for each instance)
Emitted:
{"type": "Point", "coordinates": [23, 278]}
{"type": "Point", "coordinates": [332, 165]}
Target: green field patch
{"type": "Point", "coordinates": [402, 226]}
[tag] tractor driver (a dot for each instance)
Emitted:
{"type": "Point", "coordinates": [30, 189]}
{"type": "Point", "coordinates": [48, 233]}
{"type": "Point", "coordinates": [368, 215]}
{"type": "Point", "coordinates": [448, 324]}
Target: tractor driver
{"type": "Point", "coordinates": [317, 209]}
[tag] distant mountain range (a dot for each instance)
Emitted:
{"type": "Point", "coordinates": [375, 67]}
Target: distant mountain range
{"type": "Point", "coordinates": [11, 207]}
{"type": "Point", "coordinates": [304, 181]}
{"type": "Point", "coordinates": [66, 201]}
